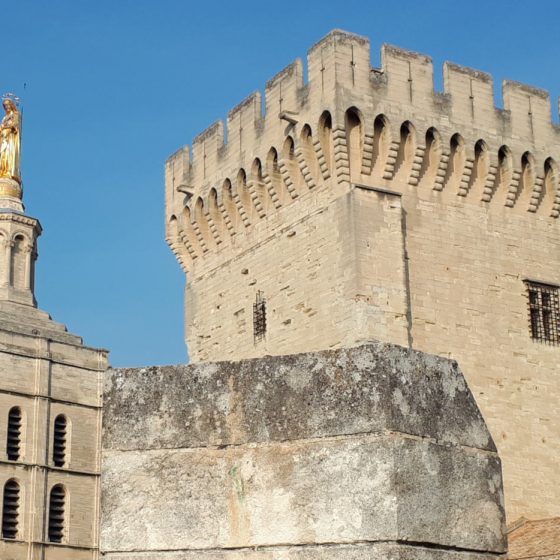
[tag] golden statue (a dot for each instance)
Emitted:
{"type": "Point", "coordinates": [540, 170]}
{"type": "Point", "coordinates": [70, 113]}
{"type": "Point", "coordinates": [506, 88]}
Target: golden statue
{"type": "Point", "coordinates": [10, 141]}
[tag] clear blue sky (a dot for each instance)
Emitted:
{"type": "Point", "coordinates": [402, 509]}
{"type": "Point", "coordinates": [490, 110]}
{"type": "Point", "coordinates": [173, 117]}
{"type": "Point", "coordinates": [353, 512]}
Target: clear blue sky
{"type": "Point", "coordinates": [114, 87]}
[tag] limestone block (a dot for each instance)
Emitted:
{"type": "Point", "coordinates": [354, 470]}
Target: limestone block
{"type": "Point", "coordinates": [370, 444]}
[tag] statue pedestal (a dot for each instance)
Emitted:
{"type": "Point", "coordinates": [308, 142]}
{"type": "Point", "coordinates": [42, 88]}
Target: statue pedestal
{"type": "Point", "coordinates": [10, 195]}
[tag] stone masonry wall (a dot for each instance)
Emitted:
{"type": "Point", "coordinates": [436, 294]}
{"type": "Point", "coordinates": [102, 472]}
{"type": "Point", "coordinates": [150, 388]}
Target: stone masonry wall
{"type": "Point", "coordinates": [414, 217]}
{"type": "Point", "coordinates": [375, 450]}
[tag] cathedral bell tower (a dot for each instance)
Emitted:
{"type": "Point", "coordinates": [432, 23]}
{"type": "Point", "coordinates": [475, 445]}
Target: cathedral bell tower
{"type": "Point", "coordinates": [50, 396]}
{"type": "Point", "coordinates": [18, 232]}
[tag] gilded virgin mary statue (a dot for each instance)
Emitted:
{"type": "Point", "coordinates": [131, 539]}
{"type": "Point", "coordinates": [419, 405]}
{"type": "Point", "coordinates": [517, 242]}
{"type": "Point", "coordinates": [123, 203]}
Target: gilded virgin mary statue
{"type": "Point", "coordinates": [10, 141]}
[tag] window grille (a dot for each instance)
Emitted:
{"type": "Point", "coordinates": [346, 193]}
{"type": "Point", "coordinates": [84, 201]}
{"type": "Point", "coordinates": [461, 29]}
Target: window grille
{"type": "Point", "coordinates": [59, 441]}
{"type": "Point", "coordinates": [544, 312]}
{"type": "Point", "coordinates": [10, 510]}
{"type": "Point", "coordinates": [57, 521]}
{"type": "Point", "coordinates": [13, 441]}
{"type": "Point", "coordinates": [259, 317]}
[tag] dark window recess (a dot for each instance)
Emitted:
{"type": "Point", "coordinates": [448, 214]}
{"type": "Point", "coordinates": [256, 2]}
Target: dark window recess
{"type": "Point", "coordinates": [13, 441]}
{"type": "Point", "coordinates": [10, 510]}
{"type": "Point", "coordinates": [57, 514]}
{"type": "Point", "coordinates": [259, 317]}
{"type": "Point", "coordinates": [544, 312]}
{"type": "Point", "coordinates": [59, 440]}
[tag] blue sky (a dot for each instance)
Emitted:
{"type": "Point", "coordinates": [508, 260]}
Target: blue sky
{"type": "Point", "coordinates": [112, 88]}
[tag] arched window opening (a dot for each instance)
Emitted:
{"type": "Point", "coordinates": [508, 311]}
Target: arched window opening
{"type": "Point", "coordinates": [10, 510]}
{"type": "Point", "coordinates": [353, 125]}
{"type": "Point", "coordinates": [60, 441]}
{"type": "Point", "coordinates": [18, 263]}
{"type": "Point", "coordinates": [13, 441]}
{"type": "Point", "coordinates": [325, 137]}
{"type": "Point", "coordinates": [57, 514]}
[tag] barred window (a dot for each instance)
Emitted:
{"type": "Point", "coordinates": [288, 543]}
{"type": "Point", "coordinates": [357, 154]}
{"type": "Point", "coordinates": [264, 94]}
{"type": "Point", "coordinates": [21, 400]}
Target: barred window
{"type": "Point", "coordinates": [259, 317]}
{"type": "Point", "coordinates": [59, 440]}
{"type": "Point", "coordinates": [10, 510]}
{"type": "Point", "coordinates": [57, 514]}
{"type": "Point", "coordinates": [13, 440]}
{"type": "Point", "coordinates": [544, 311]}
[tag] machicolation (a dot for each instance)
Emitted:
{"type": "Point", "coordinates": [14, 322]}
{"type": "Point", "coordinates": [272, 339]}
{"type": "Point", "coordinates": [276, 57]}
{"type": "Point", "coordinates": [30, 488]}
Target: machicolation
{"type": "Point", "coordinates": [353, 124]}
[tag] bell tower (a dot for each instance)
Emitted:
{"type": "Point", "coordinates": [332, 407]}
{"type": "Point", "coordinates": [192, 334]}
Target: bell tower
{"type": "Point", "coordinates": [50, 396]}
{"type": "Point", "coordinates": [18, 249]}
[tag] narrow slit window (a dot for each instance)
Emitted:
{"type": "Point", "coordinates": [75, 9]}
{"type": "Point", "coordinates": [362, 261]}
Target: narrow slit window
{"type": "Point", "coordinates": [10, 510]}
{"type": "Point", "coordinates": [57, 514]}
{"type": "Point", "coordinates": [544, 312]}
{"type": "Point", "coordinates": [60, 440]}
{"type": "Point", "coordinates": [13, 440]}
{"type": "Point", "coordinates": [259, 317]}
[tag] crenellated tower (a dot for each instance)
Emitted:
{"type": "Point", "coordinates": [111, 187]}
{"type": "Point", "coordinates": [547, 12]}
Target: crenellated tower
{"type": "Point", "coordinates": [361, 205]}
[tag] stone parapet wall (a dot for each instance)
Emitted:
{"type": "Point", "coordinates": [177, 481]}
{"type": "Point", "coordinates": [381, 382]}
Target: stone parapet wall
{"type": "Point", "coordinates": [374, 449]}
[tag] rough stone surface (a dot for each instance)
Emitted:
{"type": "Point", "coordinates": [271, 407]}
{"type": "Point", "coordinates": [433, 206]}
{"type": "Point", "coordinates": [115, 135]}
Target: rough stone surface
{"type": "Point", "coordinates": [317, 455]}
{"type": "Point", "coordinates": [370, 389]}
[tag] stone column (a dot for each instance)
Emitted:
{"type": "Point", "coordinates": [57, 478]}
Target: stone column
{"type": "Point", "coordinates": [29, 254]}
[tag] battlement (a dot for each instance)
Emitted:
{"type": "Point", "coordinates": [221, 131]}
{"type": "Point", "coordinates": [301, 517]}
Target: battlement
{"type": "Point", "coordinates": [350, 123]}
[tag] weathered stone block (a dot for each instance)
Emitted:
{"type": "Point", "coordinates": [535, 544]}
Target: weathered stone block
{"type": "Point", "coordinates": [324, 451]}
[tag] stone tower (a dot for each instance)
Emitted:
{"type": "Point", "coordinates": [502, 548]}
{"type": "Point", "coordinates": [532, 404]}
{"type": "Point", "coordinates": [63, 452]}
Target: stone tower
{"type": "Point", "coordinates": [364, 205]}
{"type": "Point", "coordinates": [50, 410]}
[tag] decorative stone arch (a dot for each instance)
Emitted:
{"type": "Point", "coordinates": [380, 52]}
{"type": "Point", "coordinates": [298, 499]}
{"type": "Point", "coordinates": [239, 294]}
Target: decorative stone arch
{"type": "Point", "coordinates": [289, 168]}
{"type": "Point", "coordinates": [504, 191]}
{"type": "Point", "coordinates": [263, 196]}
{"type": "Point", "coordinates": [550, 205]}
{"type": "Point", "coordinates": [277, 185]}
{"type": "Point", "coordinates": [456, 164]}
{"type": "Point", "coordinates": [527, 180]}
{"type": "Point", "coordinates": [215, 216]}
{"type": "Point", "coordinates": [406, 151]}
{"type": "Point", "coordinates": [200, 223]}
{"type": "Point", "coordinates": [174, 241]}
{"type": "Point", "coordinates": [432, 157]}
{"type": "Point", "coordinates": [381, 146]}
{"type": "Point", "coordinates": [310, 163]}
{"type": "Point", "coordinates": [354, 129]}
{"type": "Point", "coordinates": [244, 200]}
{"type": "Point", "coordinates": [326, 145]}
{"type": "Point", "coordinates": [232, 216]}
{"type": "Point", "coordinates": [480, 170]}
{"type": "Point", "coordinates": [187, 233]}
